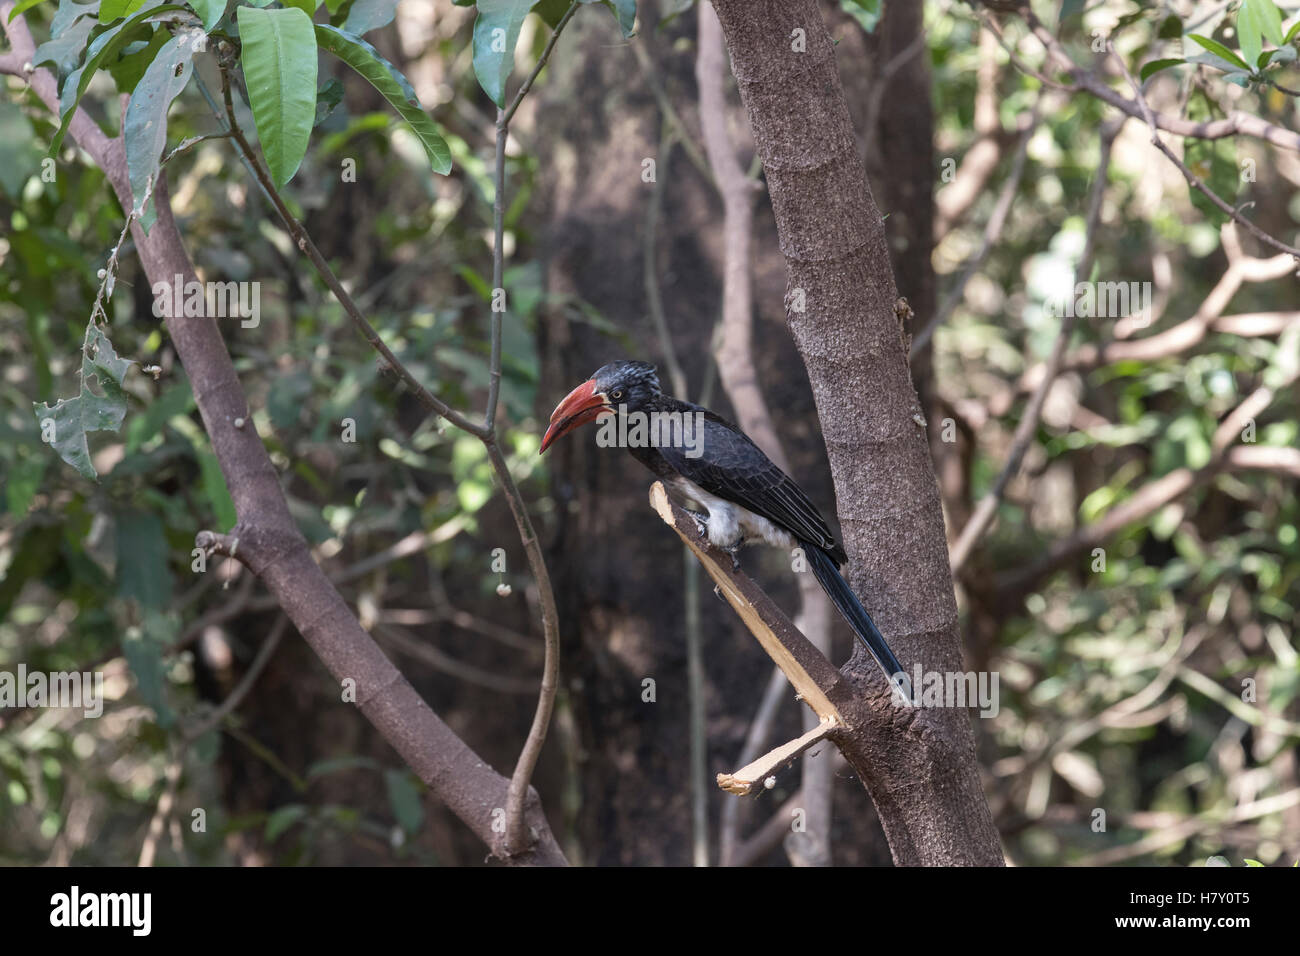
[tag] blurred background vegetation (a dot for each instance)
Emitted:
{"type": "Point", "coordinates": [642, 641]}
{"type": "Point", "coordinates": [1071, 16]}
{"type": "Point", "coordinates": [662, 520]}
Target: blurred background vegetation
{"type": "Point", "coordinates": [1121, 682]}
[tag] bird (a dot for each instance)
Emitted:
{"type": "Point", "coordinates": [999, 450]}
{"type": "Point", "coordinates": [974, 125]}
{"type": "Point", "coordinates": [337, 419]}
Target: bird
{"type": "Point", "coordinates": [712, 464]}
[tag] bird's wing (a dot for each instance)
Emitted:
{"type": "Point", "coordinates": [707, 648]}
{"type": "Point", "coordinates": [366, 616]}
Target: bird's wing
{"type": "Point", "coordinates": [734, 468]}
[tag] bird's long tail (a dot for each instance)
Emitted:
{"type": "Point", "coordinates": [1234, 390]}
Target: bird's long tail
{"type": "Point", "coordinates": [847, 603]}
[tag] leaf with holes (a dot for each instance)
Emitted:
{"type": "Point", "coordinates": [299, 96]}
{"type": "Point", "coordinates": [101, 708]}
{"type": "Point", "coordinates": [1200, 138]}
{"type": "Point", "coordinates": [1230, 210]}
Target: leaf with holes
{"type": "Point", "coordinates": [104, 46]}
{"type": "Point", "coordinates": [145, 125]}
{"type": "Point", "coordinates": [65, 423]}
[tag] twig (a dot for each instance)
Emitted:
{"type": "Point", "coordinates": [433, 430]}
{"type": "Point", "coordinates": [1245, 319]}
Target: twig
{"type": "Point", "coordinates": [1236, 124]}
{"type": "Point", "coordinates": [350, 308]}
{"type": "Point", "coordinates": [650, 270]}
{"type": "Point", "coordinates": [240, 691]}
{"type": "Point", "coordinates": [1192, 179]}
{"type": "Point", "coordinates": [409, 644]}
{"type": "Point", "coordinates": [760, 729]}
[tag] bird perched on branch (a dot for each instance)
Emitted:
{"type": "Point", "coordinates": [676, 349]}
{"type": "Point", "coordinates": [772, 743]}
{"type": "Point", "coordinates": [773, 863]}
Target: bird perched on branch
{"type": "Point", "coordinates": [711, 463]}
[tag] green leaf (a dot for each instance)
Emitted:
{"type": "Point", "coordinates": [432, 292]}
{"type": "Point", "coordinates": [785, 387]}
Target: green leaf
{"type": "Point", "coordinates": [1218, 49]}
{"type": "Point", "coordinates": [209, 11]}
{"type": "Point", "coordinates": [404, 798]}
{"type": "Point", "coordinates": [385, 78]}
{"type": "Point", "coordinates": [1253, 863]}
{"type": "Point", "coordinates": [1263, 19]}
{"type": "Point", "coordinates": [69, 12]}
{"type": "Point", "coordinates": [328, 97]}
{"type": "Point", "coordinates": [22, 6]}
{"type": "Point", "coordinates": [20, 156]}
{"type": "Point", "coordinates": [1155, 66]}
{"type": "Point", "coordinates": [306, 6]}
{"type": "Point", "coordinates": [105, 45]}
{"type": "Point", "coordinates": [496, 31]}
{"type": "Point", "coordinates": [1217, 63]}
{"type": "Point", "coordinates": [72, 418]}
{"type": "Point", "coordinates": [110, 10]}
{"type": "Point", "coordinates": [65, 47]}
{"type": "Point", "coordinates": [367, 15]}
{"type": "Point", "coordinates": [279, 61]}
{"type": "Point", "coordinates": [145, 126]}
{"type": "Point", "coordinates": [144, 650]}
{"type": "Point", "coordinates": [141, 547]}
{"type": "Point", "coordinates": [130, 67]}
{"type": "Point", "coordinates": [1290, 34]}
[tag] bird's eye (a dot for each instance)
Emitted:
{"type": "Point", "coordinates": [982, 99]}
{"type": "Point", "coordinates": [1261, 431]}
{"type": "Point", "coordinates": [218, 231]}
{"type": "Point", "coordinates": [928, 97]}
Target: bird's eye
{"type": "Point", "coordinates": [616, 395]}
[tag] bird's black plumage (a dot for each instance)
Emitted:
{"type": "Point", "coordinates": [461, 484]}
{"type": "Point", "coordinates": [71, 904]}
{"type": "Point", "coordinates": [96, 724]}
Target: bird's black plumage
{"type": "Point", "coordinates": [726, 464]}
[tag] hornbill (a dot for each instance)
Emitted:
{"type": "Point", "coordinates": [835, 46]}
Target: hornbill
{"type": "Point", "coordinates": [715, 466]}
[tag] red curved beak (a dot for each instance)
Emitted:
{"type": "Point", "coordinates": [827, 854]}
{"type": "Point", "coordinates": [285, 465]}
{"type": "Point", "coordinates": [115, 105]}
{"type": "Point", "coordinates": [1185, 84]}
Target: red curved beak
{"type": "Point", "coordinates": [582, 405]}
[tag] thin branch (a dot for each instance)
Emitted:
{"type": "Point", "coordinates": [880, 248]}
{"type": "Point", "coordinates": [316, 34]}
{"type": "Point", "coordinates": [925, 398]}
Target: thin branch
{"type": "Point", "coordinates": [1192, 179]}
{"type": "Point", "coordinates": [498, 221]}
{"type": "Point", "coordinates": [240, 691]}
{"type": "Point", "coordinates": [1237, 124]}
{"type": "Point", "coordinates": [409, 644]}
{"type": "Point", "coordinates": [649, 268]}
{"type": "Point", "coordinates": [350, 308]}
{"type": "Point", "coordinates": [504, 119]}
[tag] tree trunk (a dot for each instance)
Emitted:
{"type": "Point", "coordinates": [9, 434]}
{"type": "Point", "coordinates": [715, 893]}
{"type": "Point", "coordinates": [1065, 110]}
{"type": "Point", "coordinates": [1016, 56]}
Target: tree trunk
{"type": "Point", "coordinates": [918, 765]}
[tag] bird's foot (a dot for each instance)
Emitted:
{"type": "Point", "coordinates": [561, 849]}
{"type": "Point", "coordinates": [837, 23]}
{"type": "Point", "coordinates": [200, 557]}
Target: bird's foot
{"type": "Point", "coordinates": [701, 525]}
{"type": "Point", "coordinates": [733, 551]}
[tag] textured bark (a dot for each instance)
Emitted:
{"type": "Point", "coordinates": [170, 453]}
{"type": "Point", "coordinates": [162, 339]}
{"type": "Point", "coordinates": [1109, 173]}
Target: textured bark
{"type": "Point", "coordinates": [918, 765]}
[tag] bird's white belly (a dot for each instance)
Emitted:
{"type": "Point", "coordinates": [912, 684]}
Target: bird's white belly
{"type": "Point", "coordinates": [729, 524]}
